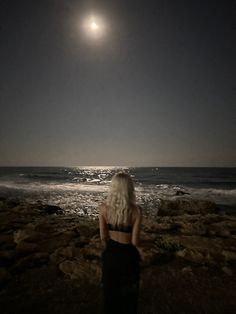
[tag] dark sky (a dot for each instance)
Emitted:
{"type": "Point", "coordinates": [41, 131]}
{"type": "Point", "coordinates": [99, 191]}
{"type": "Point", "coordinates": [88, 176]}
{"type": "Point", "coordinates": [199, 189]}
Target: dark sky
{"type": "Point", "coordinates": [156, 89]}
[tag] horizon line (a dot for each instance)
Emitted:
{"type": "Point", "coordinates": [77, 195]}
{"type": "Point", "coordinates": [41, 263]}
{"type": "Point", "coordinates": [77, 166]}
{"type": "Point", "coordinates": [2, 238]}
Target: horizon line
{"type": "Point", "coordinates": [109, 166]}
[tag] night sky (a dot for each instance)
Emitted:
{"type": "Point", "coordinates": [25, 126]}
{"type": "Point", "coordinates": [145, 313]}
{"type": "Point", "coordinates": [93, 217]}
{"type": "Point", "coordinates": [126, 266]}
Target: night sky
{"type": "Point", "coordinates": [156, 88]}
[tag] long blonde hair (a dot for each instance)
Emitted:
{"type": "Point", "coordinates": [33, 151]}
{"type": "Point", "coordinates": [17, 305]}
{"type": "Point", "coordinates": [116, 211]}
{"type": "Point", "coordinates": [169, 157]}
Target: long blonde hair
{"type": "Point", "coordinates": [120, 199]}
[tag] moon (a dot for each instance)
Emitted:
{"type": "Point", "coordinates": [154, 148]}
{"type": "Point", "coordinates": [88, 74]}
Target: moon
{"type": "Point", "coordinates": [94, 27]}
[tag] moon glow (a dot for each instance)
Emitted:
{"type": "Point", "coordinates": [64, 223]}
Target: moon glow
{"type": "Point", "coordinates": [94, 27]}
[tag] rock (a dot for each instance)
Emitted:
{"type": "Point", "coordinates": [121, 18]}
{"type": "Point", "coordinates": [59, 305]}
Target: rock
{"type": "Point", "coordinates": [21, 235]}
{"type": "Point", "coordinates": [7, 257]}
{"type": "Point", "coordinates": [188, 228]}
{"type": "Point", "coordinates": [185, 205]}
{"type": "Point", "coordinates": [91, 253]}
{"type": "Point", "coordinates": [169, 244]}
{"type": "Point", "coordinates": [180, 193]}
{"type": "Point", "coordinates": [2, 203]}
{"type": "Point", "coordinates": [29, 235]}
{"type": "Point", "coordinates": [187, 269]}
{"type": "Point", "coordinates": [149, 253]}
{"type": "Point", "coordinates": [8, 203]}
{"type": "Point", "coordinates": [82, 270]}
{"type": "Point", "coordinates": [88, 229]}
{"type": "Point", "coordinates": [53, 243]}
{"type": "Point", "coordinates": [229, 256]}
{"type": "Point", "coordinates": [6, 238]}
{"type": "Point", "coordinates": [227, 270]}
{"type": "Point", "coordinates": [70, 234]}
{"type": "Point", "coordinates": [4, 275]}
{"type": "Point", "coordinates": [65, 253]}
{"type": "Point", "coordinates": [191, 255]}
{"type": "Point", "coordinates": [50, 209]}
{"type": "Point", "coordinates": [26, 247]}
{"type": "Point", "coordinates": [33, 260]}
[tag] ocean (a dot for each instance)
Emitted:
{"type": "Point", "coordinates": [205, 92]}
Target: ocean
{"type": "Point", "coordinates": [80, 190]}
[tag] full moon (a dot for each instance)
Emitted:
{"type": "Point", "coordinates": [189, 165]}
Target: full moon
{"type": "Point", "coordinates": [94, 27]}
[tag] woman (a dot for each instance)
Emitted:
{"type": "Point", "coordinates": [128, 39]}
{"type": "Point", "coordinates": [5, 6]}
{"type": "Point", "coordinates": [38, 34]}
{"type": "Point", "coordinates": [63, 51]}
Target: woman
{"type": "Point", "coordinates": [119, 222]}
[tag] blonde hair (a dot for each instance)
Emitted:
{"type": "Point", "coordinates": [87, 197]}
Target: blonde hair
{"type": "Point", "coordinates": [120, 199]}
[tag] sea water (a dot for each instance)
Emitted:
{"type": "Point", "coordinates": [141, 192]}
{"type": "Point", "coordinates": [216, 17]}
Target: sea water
{"type": "Point", "coordinates": [81, 189]}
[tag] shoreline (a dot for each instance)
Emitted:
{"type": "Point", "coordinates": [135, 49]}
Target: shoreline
{"type": "Point", "coordinates": [51, 262]}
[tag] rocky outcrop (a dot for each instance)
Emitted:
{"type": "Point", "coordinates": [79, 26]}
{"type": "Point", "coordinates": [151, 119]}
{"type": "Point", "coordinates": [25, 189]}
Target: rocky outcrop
{"type": "Point", "coordinates": [184, 205]}
{"type": "Point", "coordinates": [189, 233]}
{"type": "Point", "coordinates": [180, 248]}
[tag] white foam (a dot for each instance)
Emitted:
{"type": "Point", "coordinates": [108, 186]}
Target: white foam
{"type": "Point", "coordinates": [36, 186]}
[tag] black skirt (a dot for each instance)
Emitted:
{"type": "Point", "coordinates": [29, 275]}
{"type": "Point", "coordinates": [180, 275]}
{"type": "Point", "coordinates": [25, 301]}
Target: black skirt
{"type": "Point", "coordinates": [120, 278]}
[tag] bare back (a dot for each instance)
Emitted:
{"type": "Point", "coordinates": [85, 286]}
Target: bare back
{"type": "Point", "coordinates": [125, 237]}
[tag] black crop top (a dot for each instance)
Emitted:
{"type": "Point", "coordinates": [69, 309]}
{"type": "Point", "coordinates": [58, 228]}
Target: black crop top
{"type": "Point", "coordinates": [120, 228]}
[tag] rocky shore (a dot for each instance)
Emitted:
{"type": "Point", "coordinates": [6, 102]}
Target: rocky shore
{"type": "Point", "coordinates": [50, 262]}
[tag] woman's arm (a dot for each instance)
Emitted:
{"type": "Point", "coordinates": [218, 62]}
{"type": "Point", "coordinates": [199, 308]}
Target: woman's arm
{"type": "Point", "coordinates": [136, 226]}
{"type": "Point", "coordinates": [104, 234]}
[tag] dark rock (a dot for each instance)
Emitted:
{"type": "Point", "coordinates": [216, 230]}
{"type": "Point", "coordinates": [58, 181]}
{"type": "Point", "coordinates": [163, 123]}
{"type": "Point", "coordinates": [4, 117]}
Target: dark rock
{"type": "Point", "coordinates": [26, 247]}
{"type": "Point", "coordinates": [29, 261]}
{"type": "Point", "coordinates": [185, 206]}
{"type": "Point", "coordinates": [180, 193]}
{"type": "Point", "coordinates": [50, 209]}
{"type": "Point", "coordinates": [4, 275]}
{"type": "Point", "coordinates": [7, 256]}
{"type": "Point", "coordinates": [65, 253]}
{"type": "Point", "coordinates": [85, 271]}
